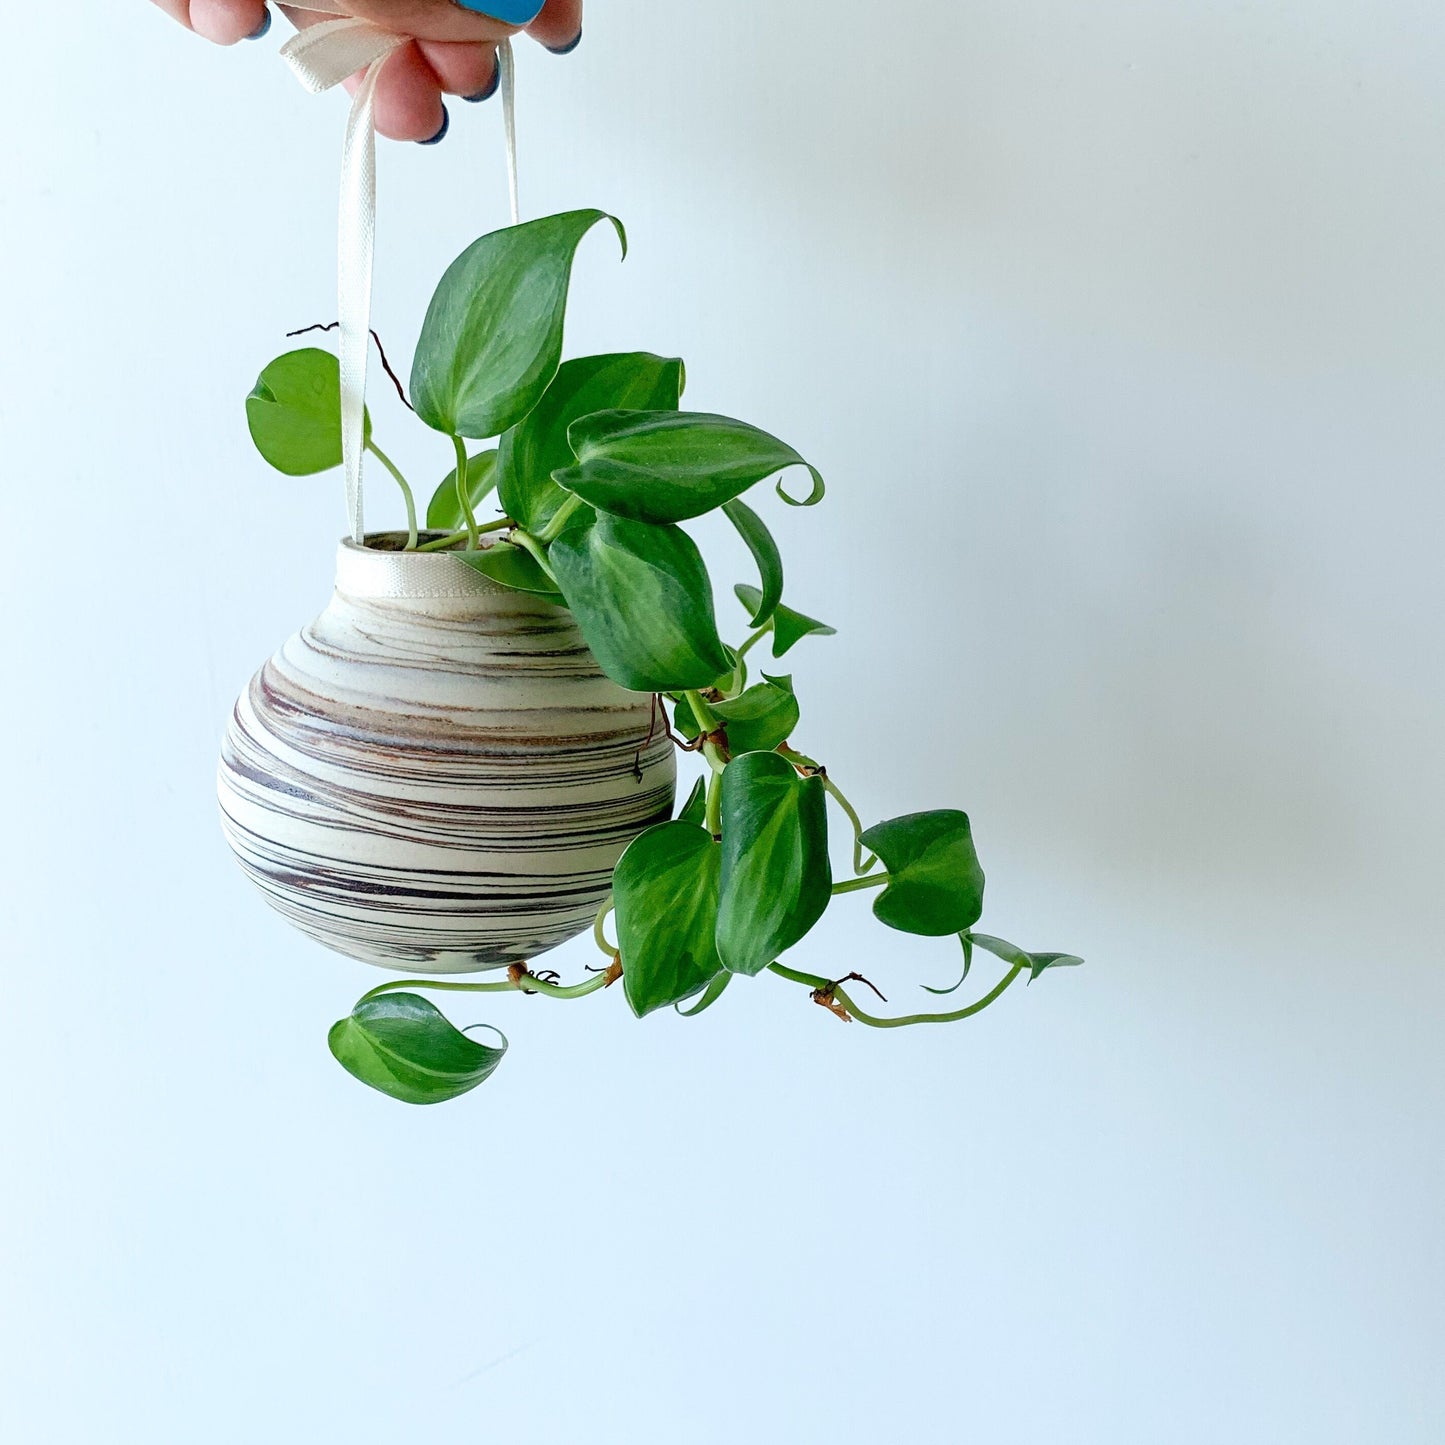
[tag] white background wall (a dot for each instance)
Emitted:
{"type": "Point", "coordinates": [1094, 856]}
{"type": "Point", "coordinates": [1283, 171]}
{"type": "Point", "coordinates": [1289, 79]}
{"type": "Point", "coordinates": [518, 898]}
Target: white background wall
{"type": "Point", "coordinates": [1117, 329]}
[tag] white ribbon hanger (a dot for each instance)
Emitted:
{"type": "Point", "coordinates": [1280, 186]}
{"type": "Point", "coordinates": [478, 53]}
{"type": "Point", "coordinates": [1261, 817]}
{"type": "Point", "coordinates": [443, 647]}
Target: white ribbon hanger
{"type": "Point", "coordinates": [322, 56]}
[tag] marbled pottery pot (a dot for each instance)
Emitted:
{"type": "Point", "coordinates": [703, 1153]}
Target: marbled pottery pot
{"type": "Point", "coordinates": [435, 776]}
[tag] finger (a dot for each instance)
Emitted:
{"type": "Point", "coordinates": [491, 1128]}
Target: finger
{"type": "Point", "coordinates": [223, 21]}
{"type": "Point", "coordinates": [409, 99]}
{"type": "Point", "coordinates": [467, 70]}
{"type": "Point", "coordinates": [559, 26]}
{"type": "Point", "coordinates": [435, 19]}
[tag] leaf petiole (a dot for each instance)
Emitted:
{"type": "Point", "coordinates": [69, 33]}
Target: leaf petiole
{"type": "Point", "coordinates": [463, 499]}
{"type": "Point", "coordinates": [857, 885]}
{"type": "Point", "coordinates": [528, 543]}
{"type": "Point", "coordinates": [406, 492]}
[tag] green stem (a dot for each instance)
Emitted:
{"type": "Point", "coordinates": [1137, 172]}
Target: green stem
{"type": "Point", "coordinates": [713, 819]}
{"type": "Point", "coordinates": [529, 984]}
{"type": "Point", "coordinates": [463, 499]}
{"type": "Point", "coordinates": [874, 1022]}
{"type": "Point", "coordinates": [440, 544]}
{"type": "Point", "coordinates": [599, 931]}
{"type": "Point", "coordinates": [836, 793]}
{"type": "Point", "coordinates": [528, 543]}
{"type": "Point", "coordinates": [704, 716]}
{"type": "Point", "coordinates": [560, 518]}
{"type": "Point", "coordinates": [740, 671]}
{"type": "Point", "coordinates": [857, 885]}
{"type": "Point", "coordinates": [406, 492]}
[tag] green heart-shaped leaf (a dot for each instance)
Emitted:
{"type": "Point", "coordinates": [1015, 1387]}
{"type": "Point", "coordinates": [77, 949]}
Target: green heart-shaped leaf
{"type": "Point", "coordinates": [666, 891]}
{"type": "Point", "coordinates": [537, 446]}
{"type": "Point", "coordinates": [789, 627]}
{"type": "Point", "coordinates": [776, 878]}
{"type": "Point", "coordinates": [765, 554]}
{"type": "Point", "coordinates": [935, 882]}
{"type": "Point", "coordinates": [512, 567]}
{"type": "Point", "coordinates": [667, 466]}
{"type": "Point", "coordinates": [643, 601]}
{"type": "Point", "coordinates": [294, 413]}
{"type": "Point", "coordinates": [1015, 957]}
{"type": "Point", "coordinates": [492, 337]}
{"type": "Point", "coordinates": [445, 512]}
{"type": "Point", "coordinates": [405, 1047]}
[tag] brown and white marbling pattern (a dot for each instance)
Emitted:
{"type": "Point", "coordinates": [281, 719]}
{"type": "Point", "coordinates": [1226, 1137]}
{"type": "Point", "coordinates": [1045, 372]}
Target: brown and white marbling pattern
{"type": "Point", "coordinates": [435, 776]}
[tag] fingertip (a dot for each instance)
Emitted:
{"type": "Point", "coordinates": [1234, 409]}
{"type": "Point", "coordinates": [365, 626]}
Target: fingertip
{"type": "Point", "coordinates": [408, 99]}
{"type": "Point", "coordinates": [226, 22]}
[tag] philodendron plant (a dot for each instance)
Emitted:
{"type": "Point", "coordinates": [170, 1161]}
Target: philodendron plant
{"type": "Point", "coordinates": [596, 467]}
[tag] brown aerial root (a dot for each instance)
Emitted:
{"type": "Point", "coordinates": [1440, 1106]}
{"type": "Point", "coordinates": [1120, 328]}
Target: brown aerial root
{"type": "Point", "coordinates": [614, 972]}
{"type": "Point", "coordinates": [381, 351]}
{"type": "Point", "coordinates": [828, 997]}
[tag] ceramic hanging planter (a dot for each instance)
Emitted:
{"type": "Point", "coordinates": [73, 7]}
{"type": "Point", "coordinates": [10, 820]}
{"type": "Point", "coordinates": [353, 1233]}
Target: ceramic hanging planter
{"type": "Point", "coordinates": [435, 775]}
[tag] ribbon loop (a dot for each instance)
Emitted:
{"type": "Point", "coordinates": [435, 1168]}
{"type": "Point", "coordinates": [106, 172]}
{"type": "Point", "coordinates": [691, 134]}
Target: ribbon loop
{"type": "Point", "coordinates": [322, 56]}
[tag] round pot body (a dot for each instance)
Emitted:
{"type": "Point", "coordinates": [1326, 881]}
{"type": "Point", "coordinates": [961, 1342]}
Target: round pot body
{"type": "Point", "coordinates": [435, 776]}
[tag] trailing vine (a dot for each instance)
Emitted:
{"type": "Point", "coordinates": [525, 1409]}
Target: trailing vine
{"type": "Point", "coordinates": [595, 467]}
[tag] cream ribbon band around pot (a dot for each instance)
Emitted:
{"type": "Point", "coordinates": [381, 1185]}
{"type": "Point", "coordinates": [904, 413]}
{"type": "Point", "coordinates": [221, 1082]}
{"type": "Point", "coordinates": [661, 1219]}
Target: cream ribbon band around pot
{"type": "Point", "coordinates": [435, 776]}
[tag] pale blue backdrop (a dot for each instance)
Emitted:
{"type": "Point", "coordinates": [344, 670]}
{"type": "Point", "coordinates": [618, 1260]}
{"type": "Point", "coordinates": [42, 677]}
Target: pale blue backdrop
{"type": "Point", "coordinates": [1118, 331]}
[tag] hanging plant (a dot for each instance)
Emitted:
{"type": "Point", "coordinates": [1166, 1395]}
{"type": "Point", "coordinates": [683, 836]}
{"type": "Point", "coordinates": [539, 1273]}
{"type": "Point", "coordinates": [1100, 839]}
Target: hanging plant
{"type": "Point", "coordinates": [386, 779]}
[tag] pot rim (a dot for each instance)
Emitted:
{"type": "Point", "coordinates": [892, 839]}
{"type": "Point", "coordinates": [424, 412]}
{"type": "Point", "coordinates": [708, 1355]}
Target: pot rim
{"type": "Point", "coordinates": [364, 572]}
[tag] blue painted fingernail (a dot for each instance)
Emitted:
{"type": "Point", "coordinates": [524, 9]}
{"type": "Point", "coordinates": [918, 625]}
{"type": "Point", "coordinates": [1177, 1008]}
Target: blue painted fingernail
{"type": "Point", "coordinates": [570, 46]}
{"type": "Point", "coordinates": [509, 12]}
{"type": "Point", "coordinates": [262, 29]}
{"type": "Point", "coordinates": [489, 91]}
{"type": "Point", "coordinates": [441, 135]}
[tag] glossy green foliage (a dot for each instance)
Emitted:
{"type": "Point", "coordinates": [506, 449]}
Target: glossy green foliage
{"type": "Point", "coordinates": [445, 513]}
{"type": "Point", "coordinates": [514, 568]}
{"type": "Point", "coordinates": [492, 338]}
{"type": "Point", "coordinates": [667, 466]}
{"type": "Point", "coordinates": [294, 413]}
{"type": "Point", "coordinates": [1015, 957]}
{"type": "Point", "coordinates": [694, 811]}
{"type": "Point", "coordinates": [643, 601]}
{"type": "Point", "coordinates": [756, 721]}
{"type": "Point", "coordinates": [666, 893]}
{"type": "Point", "coordinates": [403, 1046]}
{"type": "Point", "coordinates": [537, 445]}
{"type": "Point", "coordinates": [935, 883]}
{"type": "Point", "coordinates": [776, 878]}
{"type": "Point", "coordinates": [765, 553]}
{"type": "Point", "coordinates": [789, 627]}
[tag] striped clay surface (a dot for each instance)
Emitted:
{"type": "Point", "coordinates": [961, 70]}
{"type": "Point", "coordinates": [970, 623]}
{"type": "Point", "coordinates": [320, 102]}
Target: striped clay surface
{"type": "Point", "coordinates": [435, 776]}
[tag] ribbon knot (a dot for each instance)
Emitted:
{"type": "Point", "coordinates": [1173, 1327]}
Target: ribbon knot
{"type": "Point", "coordinates": [322, 56]}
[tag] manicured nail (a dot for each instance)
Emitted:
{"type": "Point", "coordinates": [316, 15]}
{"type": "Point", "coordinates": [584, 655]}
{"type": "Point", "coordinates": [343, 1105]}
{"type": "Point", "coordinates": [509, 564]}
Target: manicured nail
{"type": "Point", "coordinates": [509, 12]}
{"type": "Point", "coordinates": [262, 29]}
{"type": "Point", "coordinates": [441, 135]}
{"type": "Point", "coordinates": [570, 46]}
{"type": "Point", "coordinates": [489, 91]}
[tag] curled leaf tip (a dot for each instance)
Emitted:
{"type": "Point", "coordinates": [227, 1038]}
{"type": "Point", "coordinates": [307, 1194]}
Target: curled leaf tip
{"type": "Point", "coordinates": [819, 491]}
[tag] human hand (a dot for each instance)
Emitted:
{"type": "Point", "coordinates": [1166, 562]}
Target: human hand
{"type": "Point", "coordinates": [455, 50]}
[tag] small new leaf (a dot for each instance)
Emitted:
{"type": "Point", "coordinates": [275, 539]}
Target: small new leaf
{"type": "Point", "coordinates": [935, 884]}
{"type": "Point", "coordinates": [668, 466]}
{"type": "Point", "coordinates": [789, 627]}
{"type": "Point", "coordinates": [1036, 963]}
{"type": "Point", "coordinates": [405, 1047]}
{"type": "Point", "coordinates": [694, 811]}
{"type": "Point", "coordinates": [776, 878]}
{"type": "Point", "coordinates": [666, 891]}
{"type": "Point", "coordinates": [445, 512]}
{"type": "Point", "coordinates": [492, 338]}
{"type": "Point", "coordinates": [966, 939]}
{"type": "Point", "coordinates": [294, 413]}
